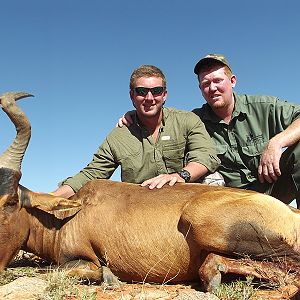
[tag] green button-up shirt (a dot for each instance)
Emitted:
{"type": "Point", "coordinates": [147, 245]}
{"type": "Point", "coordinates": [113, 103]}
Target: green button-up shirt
{"type": "Point", "coordinates": [182, 139]}
{"type": "Point", "coordinates": [255, 120]}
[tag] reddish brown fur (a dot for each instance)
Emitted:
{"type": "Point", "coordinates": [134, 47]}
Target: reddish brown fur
{"type": "Point", "coordinates": [157, 235]}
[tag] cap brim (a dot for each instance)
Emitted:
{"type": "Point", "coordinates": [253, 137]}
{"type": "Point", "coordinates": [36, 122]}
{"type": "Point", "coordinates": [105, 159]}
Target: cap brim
{"type": "Point", "coordinates": [201, 62]}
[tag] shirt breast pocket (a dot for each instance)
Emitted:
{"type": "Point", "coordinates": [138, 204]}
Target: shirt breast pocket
{"type": "Point", "coordinates": [174, 156]}
{"type": "Point", "coordinates": [131, 163]}
{"type": "Point", "coordinates": [221, 149]}
{"type": "Point", "coordinates": [252, 154]}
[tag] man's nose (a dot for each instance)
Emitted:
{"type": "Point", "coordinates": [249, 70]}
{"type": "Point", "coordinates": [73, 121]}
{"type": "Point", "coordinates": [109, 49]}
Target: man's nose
{"type": "Point", "coordinates": [212, 86]}
{"type": "Point", "coordinates": [149, 96]}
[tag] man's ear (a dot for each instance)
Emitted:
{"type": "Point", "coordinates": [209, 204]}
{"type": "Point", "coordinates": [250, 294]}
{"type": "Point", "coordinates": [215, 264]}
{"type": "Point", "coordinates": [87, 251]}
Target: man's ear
{"type": "Point", "coordinates": [131, 94]}
{"type": "Point", "coordinates": [131, 97]}
{"type": "Point", "coordinates": [233, 80]}
{"type": "Point", "coordinates": [165, 96]}
{"type": "Point", "coordinates": [133, 103]}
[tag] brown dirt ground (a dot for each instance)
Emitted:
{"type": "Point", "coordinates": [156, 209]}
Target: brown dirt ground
{"type": "Point", "coordinates": [130, 291]}
{"type": "Point", "coordinates": [127, 291]}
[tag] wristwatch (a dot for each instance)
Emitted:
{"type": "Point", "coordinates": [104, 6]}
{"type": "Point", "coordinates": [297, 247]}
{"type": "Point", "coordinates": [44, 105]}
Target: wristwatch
{"type": "Point", "coordinates": [185, 174]}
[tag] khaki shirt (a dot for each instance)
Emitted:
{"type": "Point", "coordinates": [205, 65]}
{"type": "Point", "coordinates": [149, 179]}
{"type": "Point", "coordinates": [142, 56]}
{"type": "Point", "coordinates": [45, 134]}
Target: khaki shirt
{"type": "Point", "coordinates": [182, 139]}
{"type": "Point", "coordinates": [255, 120]}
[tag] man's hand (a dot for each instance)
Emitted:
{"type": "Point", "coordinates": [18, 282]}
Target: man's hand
{"type": "Point", "coordinates": [125, 120]}
{"type": "Point", "coordinates": [63, 191]}
{"type": "Point", "coordinates": [269, 169]}
{"type": "Point", "coordinates": [160, 180]}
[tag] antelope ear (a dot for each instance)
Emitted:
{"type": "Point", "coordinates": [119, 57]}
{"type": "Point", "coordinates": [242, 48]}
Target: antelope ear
{"type": "Point", "coordinates": [45, 202]}
{"type": "Point", "coordinates": [48, 202]}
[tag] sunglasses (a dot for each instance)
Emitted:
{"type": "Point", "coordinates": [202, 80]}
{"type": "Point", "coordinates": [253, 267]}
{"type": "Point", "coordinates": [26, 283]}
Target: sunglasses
{"type": "Point", "coordinates": [155, 91]}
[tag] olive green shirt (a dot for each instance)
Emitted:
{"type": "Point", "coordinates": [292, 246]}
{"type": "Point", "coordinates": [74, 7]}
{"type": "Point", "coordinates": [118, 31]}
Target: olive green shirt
{"type": "Point", "coordinates": [255, 120]}
{"type": "Point", "coordinates": [182, 139]}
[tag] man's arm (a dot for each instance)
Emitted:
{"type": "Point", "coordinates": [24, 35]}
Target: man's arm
{"type": "Point", "coordinates": [269, 168]}
{"type": "Point", "coordinates": [195, 169]}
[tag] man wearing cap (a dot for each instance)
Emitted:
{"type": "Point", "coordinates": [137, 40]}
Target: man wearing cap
{"type": "Point", "coordinates": [163, 146]}
{"type": "Point", "coordinates": [256, 137]}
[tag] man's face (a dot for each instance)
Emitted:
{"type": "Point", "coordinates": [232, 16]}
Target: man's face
{"type": "Point", "coordinates": [216, 87]}
{"type": "Point", "coordinates": [148, 104]}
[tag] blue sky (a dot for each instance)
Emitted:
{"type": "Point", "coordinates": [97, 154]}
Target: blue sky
{"type": "Point", "coordinates": [76, 57]}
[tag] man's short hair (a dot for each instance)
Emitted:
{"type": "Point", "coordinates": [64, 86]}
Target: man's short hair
{"type": "Point", "coordinates": [146, 71]}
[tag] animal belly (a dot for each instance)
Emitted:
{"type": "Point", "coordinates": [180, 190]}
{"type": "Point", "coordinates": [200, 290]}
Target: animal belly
{"type": "Point", "coordinates": [153, 257]}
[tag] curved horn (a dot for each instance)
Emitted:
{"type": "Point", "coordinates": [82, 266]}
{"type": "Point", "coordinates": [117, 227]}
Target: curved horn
{"type": "Point", "coordinates": [12, 157]}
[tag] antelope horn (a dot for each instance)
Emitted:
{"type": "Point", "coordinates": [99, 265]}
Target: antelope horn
{"type": "Point", "coordinates": [12, 157]}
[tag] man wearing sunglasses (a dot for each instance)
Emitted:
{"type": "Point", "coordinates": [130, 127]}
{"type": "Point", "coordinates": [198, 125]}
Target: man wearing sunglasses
{"type": "Point", "coordinates": [162, 146]}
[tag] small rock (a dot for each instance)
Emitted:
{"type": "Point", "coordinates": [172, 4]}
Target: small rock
{"type": "Point", "coordinates": [23, 288]}
{"type": "Point", "coordinates": [195, 295]}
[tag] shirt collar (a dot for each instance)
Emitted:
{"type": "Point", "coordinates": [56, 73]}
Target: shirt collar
{"type": "Point", "coordinates": [239, 106]}
{"type": "Point", "coordinates": [137, 122]}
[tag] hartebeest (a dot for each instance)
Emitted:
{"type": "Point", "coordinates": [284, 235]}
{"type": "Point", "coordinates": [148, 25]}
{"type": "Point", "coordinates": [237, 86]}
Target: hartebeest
{"type": "Point", "coordinates": [172, 234]}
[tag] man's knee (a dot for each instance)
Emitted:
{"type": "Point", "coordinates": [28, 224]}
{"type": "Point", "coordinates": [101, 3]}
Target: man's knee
{"type": "Point", "coordinates": [215, 179]}
{"type": "Point", "coordinates": [287, 187]}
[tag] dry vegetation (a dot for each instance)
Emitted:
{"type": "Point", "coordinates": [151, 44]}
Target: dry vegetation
{"type": "Point", "coordinates": [58, 286]}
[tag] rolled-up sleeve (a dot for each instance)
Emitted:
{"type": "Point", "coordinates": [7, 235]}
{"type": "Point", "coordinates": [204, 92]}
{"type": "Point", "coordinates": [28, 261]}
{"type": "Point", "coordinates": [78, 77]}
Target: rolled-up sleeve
{"type": "Point", "coordinates": [200, 147]}
{"type": "Point", "coordinates": [285, 112]}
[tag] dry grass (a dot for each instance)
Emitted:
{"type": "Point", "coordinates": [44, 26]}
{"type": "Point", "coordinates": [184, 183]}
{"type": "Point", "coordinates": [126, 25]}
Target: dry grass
{"type": "Point", "coordinates": [281, 279]}
{"type": "Point", "coordinates": [12, 274]}
{"type": "Point", "coordinates": [60, 286]}
{"type": "Point", "coordinates": [236, 290]}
